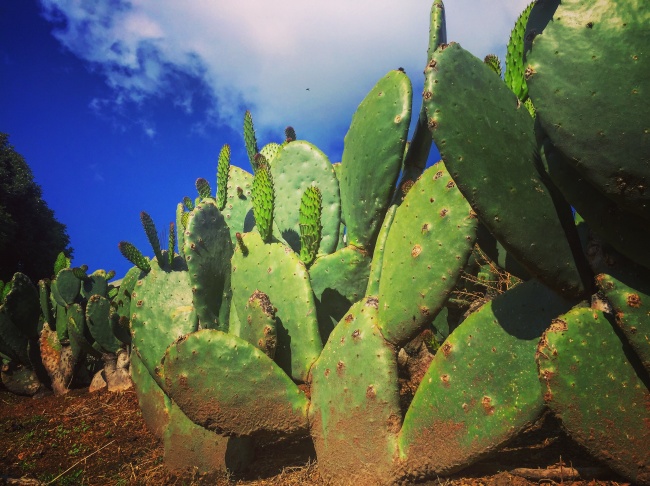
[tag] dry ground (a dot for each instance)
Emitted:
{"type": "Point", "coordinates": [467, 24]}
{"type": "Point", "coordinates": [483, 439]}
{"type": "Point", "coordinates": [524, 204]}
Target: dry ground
{"type": "Point", "coordinates": [101, 439]}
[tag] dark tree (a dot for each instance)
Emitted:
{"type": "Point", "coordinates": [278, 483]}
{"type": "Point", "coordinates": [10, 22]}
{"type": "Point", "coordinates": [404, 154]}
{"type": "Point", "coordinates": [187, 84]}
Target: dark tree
{"type": "Point", "coordinates": [30, 236]}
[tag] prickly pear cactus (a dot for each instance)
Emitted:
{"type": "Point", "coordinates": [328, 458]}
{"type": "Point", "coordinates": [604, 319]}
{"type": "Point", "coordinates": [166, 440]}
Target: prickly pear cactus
{"type": "Point", "coordinates": [429, 243]}
{"type": "Point", "coordinates": [372, 157]}
{"type": "Point", "coordinates": [598, 388]}
{"type": "Point", "coordinates": [488, 144]}
{"type": "Point", "coordinates": [22, 369]}
{"type": "Point", "coordinates": [586, 75]}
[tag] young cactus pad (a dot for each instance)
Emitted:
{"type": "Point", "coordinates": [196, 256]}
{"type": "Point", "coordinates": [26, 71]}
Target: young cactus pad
{"type": "Point", "coordinates": [311, 208]}
{"type": "Point", "coordinates": [223, 167]}
{"type": "Point", "coordinates": [263, 201]}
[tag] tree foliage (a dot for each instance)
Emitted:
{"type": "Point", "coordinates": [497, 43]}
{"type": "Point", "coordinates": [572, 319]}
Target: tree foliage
{"type": "Point", "coordinates": [30, 236]}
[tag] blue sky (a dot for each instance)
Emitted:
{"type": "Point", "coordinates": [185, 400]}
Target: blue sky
{"type": "Point", "coordinates": [119, 106]}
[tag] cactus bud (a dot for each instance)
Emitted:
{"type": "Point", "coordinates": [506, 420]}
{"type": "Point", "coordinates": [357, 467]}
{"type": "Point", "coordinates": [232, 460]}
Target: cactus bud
{"type": "Point", "coordinates": [223, 167]}
{"type": "Point", "coordinates": [249, 137]}
{"type": "Point", "coordinates": [493, 63]}
{"type": "Point", "coordinates": [263, 200]}
{"type": "Point", "coordinates": [152, 234]}
{"type": "Point", "coordinates": [203, 188]}
{"type": "Point", "coordinates": [289, 135]}
{"type": "Point", "coordinates": [132, 254]}
{"type": "Point", "coordinates": [188, 203]}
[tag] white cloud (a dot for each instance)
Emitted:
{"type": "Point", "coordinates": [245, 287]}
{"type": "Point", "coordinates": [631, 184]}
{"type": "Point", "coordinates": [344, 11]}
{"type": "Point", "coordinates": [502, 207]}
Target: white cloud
{"type": "Point", "coordinates": [263, 55]}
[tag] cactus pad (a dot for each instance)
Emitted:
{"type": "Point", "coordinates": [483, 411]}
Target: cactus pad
{"type": "Point", "coordinates": [630, 299]}
{"type": "Point", "coordinates": [598, 392]}
{"type": "Point", "coordinates": [298, 166]}
{"type": "Point", "coordinates": [276, 270]}
{"type": "Point", "coordinates": [487, 141]}
{"type": "Point", "coordinates": [588, 79]}
{"type": "Point", "coordinates": [208, 250]}
{"type": "Point", "coordinates": [239, 384]}
{"type": "Point", "coordinates": [372, 156]}
{"type": "Point", "coordinates": [428, 245]}
{"type": "Point", "coordinates": [355, 400]}
{"type": "Point", "coordinates": [162, 311]}
{"type": "Point", "coordinates": [481, 387]}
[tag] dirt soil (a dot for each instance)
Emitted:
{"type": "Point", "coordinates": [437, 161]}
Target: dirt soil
{"type": "Point", "coordinates": [100, 439]}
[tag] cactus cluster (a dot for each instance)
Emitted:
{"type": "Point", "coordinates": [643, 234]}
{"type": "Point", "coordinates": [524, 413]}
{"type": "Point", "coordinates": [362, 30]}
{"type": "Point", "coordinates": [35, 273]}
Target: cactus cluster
{"type": "Point", "coordinates": [70, 330]}
{"type": "Point", "coordinates": [296, 301]}
{"type": "Point", "coordinates": [297, 292]}
{"type": "Point", "coordinates": [85, 332]}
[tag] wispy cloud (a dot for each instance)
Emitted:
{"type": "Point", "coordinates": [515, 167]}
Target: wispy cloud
{"type": "Point", "coordinates": [264, 55]}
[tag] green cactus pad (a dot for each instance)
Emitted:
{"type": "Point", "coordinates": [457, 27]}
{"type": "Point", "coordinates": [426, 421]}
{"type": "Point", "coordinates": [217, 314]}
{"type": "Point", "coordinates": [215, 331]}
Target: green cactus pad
{"type": "Point", "coordinates": [152, 234]}
{"type": "Point", "coordinates": [263, 198]}
{"type": "Point", "coordinates": [277, 271]}
{"type": "Point", "coordinates": [378, 254]}
{"type": "Point", "coordinates": [162, 311]}
{"type": "Point", "coordinates": [239, 206]}
{"type": "Point", "coordinates": [515, 70]}
{"type": "Point", "coordinates": [122, 304]}
{"type": "Point", "coordinates": [487, 141]}
{"type": "Point", "coordinates": [244, 392]}
{"type": "Point", "coordinates": [481, 387]}
{"type": "Point", "coordinates": [270, 151]}
{"type": "Point", "coordinates": [61, 322]}
{"type": "Point", "coordinates": [67, 286]}
{"type": "Point", "coordinates": [258, 326]}
{"type": "Point", "coordinates": [208, 250]}
{"type": "Point", "coordinates": [428, 245]}
{"type": "Point", "coordinates": [61, 262]}
{"type": "Point", "coordinates": [95, 284]}
{"type": "Point", "coordinates": [98, 319]}
{"type": "Point", "coordinates": [45, 301]}
{"type": "Point", "coordinates": [250, 139]}
{"type": "Point", "coordinates": [355, 413]}
{"type": "Point", "coordinates": [588, 78]}
{"type": "Point", "coordinates": [81, 341]}
{"type": "Point", "coordinates": [135, 256]}
{"type": "Point", "coordinates": [598, 389]}
{"type": "Point", "coordinates": [630, 299]}
{"type": "Point", "coordinates": [223, 167]}
{"type": "Point", "coordinates": [372, 156]}
{"type": "Point", "coordinates": [298, 166]}
{"type": "Point", "coordinates": [311, 207]}
{"type": "Point", "coordinates": [338, 280]}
